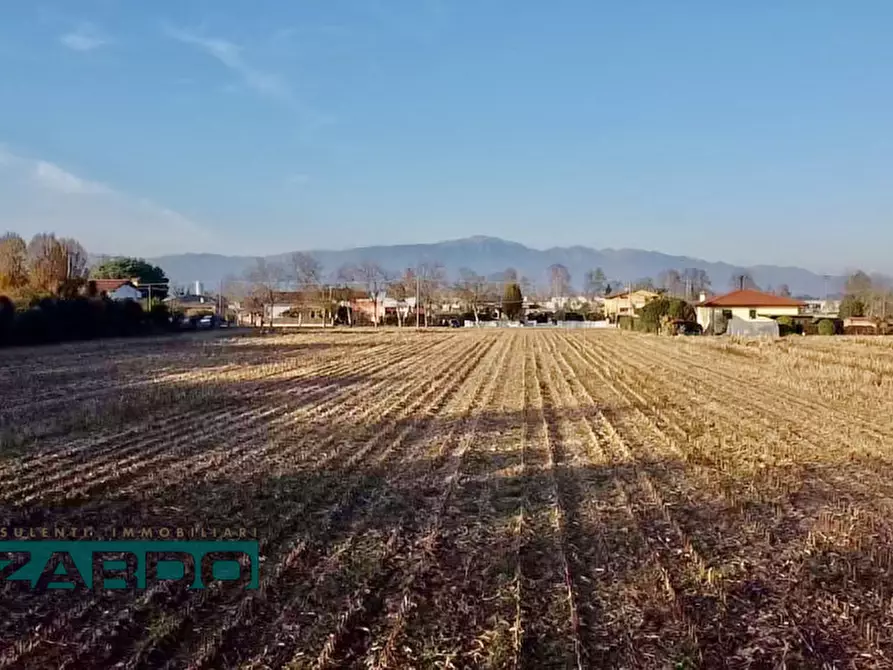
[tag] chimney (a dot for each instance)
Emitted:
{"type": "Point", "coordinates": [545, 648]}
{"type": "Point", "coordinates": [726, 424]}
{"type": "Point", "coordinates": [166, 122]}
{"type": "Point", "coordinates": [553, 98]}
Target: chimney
{"type": "Point", "coordinates": [702, 297]}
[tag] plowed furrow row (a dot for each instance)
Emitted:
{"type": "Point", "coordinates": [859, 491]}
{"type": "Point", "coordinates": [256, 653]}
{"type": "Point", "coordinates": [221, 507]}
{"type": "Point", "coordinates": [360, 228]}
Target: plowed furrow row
{"type": "Point", "coordinates": [552, 632]}
{"type": "Point", "coordinates": [408, 395]}
{"type": "Point", "coordinates": [419, 471]}
{"type": "Point", "coordinates": [302, 438]}
{"type": "Point", "coordinates": [752, 418]}
{"type": "Point", "coordinates": [455, 605]}
{"type": "Point", "coordinates": [139, 456]}
{"type": "Point", "coordinates": [204, 604]}
{"type": "Point", "coordinates": [348, 644]}
{"type": "Point", "coordinates": [389, 638]}
{"type": "Point", "coordinates": [772, 399]}
{"type": "Point", "coordinates": [683, 568]}
{"type": "Point", "coordinates": [718, 636]}
{"type": "Point", "coordinates": [165, 426]}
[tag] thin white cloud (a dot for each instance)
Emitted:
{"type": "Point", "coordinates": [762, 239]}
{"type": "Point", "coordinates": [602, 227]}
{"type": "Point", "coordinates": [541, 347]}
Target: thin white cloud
{"type": "Point", "coordinates": [38, 195]}
{"type": "Point", "coordinates": [230, 56]}
{"type": "Point", "coordinates": [54, 178]}
{"type": "Point", "coordinates": [85, 38]}
{"type": "Point", "coordinates": [267, 84]}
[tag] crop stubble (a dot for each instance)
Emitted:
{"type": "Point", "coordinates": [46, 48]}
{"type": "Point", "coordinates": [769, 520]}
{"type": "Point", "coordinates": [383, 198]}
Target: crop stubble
{"type": "Point", "coordinates": [517, 499]}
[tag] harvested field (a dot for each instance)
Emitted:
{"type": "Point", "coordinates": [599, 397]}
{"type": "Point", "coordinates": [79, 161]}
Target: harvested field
{"type": "Point", "coordinates": [461, 498]}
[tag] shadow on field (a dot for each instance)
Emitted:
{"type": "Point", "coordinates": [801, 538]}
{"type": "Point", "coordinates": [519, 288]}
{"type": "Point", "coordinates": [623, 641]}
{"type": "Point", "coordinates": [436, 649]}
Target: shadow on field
{"type": "Point", "coordinates": [642, 564]}
{"type": "Point", "coordinates": [81, 372]}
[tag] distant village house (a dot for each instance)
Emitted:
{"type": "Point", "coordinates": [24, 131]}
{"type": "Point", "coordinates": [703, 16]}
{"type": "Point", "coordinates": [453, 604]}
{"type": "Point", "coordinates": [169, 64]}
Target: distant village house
{"type": "Point", "coordinates": [753, 307]}
{"type": "Point", "coordinates": [627, 303]}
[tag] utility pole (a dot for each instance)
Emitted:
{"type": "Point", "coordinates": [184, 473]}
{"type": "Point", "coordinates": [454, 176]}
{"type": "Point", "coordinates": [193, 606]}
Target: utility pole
{"type": "Point", "coordinates": [418, 291]}
{"type": "Point", "coordinates": [629, 299]}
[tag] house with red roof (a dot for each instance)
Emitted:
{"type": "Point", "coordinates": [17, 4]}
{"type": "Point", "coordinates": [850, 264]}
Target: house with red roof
{"type": "Point", "coordinates": [117, 289]}
{"type": "Point", "coordinates": [746, 305]}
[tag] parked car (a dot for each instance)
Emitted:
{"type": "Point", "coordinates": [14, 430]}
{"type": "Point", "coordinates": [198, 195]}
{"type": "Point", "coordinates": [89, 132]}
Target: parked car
{"type": "Point", "coordinates": [682, 327]}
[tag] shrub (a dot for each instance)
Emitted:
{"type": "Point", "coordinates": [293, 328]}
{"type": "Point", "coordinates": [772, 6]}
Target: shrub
{"type": "Point", "coordinates": [656, 311]}
{"type": "Point", "coordinates": [851, 306]}
{"type": "Point", "coordinates": [160, 316]}
{"type": "Point", "coordinates": [826, 327]}
{"type": "Point", "coordinates": [788, 326]}
{"type": "Point", "coordinates": [7, 317]}
{"type": "Point", "coordinates": [512, 302]}
{"type": "Point", "coordinates": [79, 318]}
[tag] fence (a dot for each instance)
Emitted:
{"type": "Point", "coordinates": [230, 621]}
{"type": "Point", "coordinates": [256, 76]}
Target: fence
{"type": "Point", "coordinates": [531, 324]}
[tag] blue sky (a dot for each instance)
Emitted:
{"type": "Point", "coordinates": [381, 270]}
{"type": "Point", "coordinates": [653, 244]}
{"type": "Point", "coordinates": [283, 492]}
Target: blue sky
{"type": "Point", "coordinates": [757, 132]}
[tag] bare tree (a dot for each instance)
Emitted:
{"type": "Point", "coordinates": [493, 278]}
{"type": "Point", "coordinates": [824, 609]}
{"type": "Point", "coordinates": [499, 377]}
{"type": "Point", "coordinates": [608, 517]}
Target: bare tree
{"type": "Point", "coordinates": [743, 281]}
{"type": "Point", "coordinates": [235, 290]}
{"type": "Point", "coordinates": [509, 275]}
{"type": "Point", "coordinates": [13, 263]}
{"type": "Point", "coordinates": [47, 262]}
{"type": "Point", "coordinates": [306, 273]}
{"type": "Point", "coordinates": [473, 289]}
{"type": "Point", "coordinates": [76, 267]}
{"type": "Point", "coordinates": [672, 282]}
{"type": "Point", "coordinates": [431, 277]}
{"type": "Point", "coordinates": [859, 284]}
{"type": "Point", "coordinates": [594, 283]}
{"type": "Point", "coordinates": [305, 270]}
{"type": "Point", "coordinates": [696, 281]}
{"type": "Point", "coordinates": [873, 291]}
{"type": "Point", "coordinates": [77, 258]}
{"type": "Point", "coordinates": [783, 290]}
{"type": "Point", "coordinates": [265, 279]}
{"type": "Point", "coordinates": [559, 280]}
{"type": "Point", "coordinates": [401, 290]}
{"type": "Point", "coordinates": [372, 277]}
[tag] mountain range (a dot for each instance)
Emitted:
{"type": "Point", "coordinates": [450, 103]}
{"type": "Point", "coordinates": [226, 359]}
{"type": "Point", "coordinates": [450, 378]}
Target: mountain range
{"type": "Point", "coordinates": [490, 255]}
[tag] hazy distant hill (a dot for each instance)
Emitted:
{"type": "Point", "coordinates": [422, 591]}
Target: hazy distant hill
{"type": "Point", "coordinates": [487, 255]}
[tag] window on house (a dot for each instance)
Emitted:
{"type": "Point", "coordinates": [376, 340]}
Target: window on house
{"type": "Point", "coordinates": [727, 314]}
{"type": "Point", "coordinates": [753, 314]}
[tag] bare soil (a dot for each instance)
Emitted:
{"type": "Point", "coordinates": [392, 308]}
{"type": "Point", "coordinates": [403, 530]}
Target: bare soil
{"type": "Point", "coordinates": [453, 499]}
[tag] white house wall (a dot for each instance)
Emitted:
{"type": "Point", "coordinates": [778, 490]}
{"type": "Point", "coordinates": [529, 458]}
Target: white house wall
{"type": "Point", "coordinates": [705, 313]}
{"type": "Point", "coordinates": [125, 293]}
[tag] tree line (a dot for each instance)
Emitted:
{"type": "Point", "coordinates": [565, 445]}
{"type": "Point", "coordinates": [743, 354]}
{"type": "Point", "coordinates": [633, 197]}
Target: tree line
{"type": "Point", "coordinates": [47, 293]}
{"type": "Point", "coordinates": [257, 289]}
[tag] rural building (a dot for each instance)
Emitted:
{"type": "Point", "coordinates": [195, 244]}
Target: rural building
{"type": "Point", "coordinates": [190, 304]}
{"type": "Point", "coordinates": [627, 303]}
{"type": "Point", "coordinates": [117, 289]}
{"type": "Point", "coordinates": [829, 307]}
{"type": "Point", "coordinates": [570, 302]}
{"type": "Point", "coordinates": [863, 325]}
{"type": "Point", "coordinates": [299, 308]}
{"type": "Point", "coordinates": [745, 306]}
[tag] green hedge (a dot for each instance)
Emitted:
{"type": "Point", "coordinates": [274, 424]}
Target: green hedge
{"type": "Point", "coordinates": [58, 320]}
{"type": "Point", "coordinates": [826, 327]}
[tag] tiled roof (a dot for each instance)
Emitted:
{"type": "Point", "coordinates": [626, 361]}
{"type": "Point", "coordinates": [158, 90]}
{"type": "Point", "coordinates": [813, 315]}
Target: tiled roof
{"type": "Point", "coordinates": [302, 297]}
{"type": "Point", "coordinates": [624, 294]}
{"type": "Point", "coordinates": [751, 298]}
{"type": "Point", "coordinates": [107, 285]}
